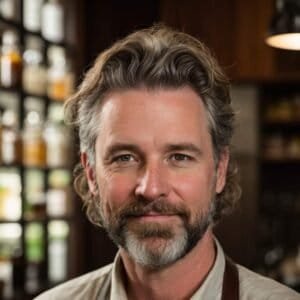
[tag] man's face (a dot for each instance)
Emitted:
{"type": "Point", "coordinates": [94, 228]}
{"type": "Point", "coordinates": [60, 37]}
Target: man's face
{"type": "Point", "coordinates": [155, 172]}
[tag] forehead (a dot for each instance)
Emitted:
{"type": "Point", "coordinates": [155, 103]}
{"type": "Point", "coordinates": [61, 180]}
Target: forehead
{"type": "Point", "coordinates": [153, 117]}
{"type": "Point", "coordinates": [141, 103]}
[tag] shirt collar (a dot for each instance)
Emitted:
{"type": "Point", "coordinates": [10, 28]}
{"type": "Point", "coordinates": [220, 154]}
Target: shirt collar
{"type": "Point", "coordinates": [212, 285]}
{"type": "Point", "coordinates": [210, 289]}
{"type": "Point", "coordinates": [117, 291]}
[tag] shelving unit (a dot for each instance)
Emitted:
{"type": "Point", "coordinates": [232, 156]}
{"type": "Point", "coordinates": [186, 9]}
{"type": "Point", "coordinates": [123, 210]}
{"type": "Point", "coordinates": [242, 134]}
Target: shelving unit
{"type": "Point", "coordinates": [36, 216]}
{"type": "Point", "coordinates": [279, 182]}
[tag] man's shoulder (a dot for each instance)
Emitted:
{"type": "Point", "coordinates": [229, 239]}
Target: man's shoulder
{"type": "Point", "coordinates": [83, 287]}
{"type": "Point", "coordinates": [255, 286]}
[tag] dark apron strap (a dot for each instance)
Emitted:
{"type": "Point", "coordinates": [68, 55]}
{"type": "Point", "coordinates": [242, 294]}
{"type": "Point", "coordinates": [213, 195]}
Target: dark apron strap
{"type": "Point", "coordinates": [230, 281]}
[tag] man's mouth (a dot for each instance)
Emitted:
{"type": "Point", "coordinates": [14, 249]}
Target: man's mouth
{"type": "Point", "coordinates": [159, 211]}
{"type": "Point", "coordinates": [155, 216]}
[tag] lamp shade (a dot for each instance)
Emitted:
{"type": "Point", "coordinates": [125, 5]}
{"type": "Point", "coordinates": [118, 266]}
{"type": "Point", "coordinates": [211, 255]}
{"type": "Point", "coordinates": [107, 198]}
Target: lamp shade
{"type": "Point", "coordinates": [284, 31]}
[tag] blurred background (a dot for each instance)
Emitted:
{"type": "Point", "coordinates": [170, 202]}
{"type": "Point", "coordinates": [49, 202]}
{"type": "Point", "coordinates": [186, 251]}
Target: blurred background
{"type": "Point", "coordinates": [47, 46]}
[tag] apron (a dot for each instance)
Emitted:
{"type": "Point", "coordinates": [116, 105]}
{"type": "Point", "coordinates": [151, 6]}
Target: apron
{"type": "Point", "coordinates": [230, 289]}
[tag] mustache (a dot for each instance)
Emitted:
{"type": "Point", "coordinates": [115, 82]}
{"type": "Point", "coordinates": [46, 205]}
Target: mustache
{"type": "Point", "coordinates": [138, 208]}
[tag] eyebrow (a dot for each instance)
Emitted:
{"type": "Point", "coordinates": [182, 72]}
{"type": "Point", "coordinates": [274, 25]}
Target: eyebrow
{"type": "Point", "coordinates": [184, 147]}
{"type": "Point", "coordinates": [117, 147]}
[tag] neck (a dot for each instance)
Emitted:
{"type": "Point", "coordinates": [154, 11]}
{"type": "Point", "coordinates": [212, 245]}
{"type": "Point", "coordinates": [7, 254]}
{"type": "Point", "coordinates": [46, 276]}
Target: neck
{"type": "Point", "coordinates": [185, 276]}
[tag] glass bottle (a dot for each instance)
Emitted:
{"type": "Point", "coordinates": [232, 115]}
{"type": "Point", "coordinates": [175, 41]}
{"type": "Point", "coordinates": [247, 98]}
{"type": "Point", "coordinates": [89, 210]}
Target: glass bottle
{"type": "Point", "coordinates": [10, 244]}
{"type": "Point", "coordinates": [57, 250]}
{"type": "Point", "coordinates": [59, 193]}
{"type": "Point", "coordinates": [35, 205]}
{"type": "Point", "coordinates": [11, 143]}
{"type": "Point", "coordinates": [57, 138]}
{"type": "Point", "coordinates": [35, 255]}
{"type": "Point", "coordinates": [11, 60]}
{"type": "Point", "coordinates": [34, 71]}
{"type": "Point", "coordinates": [1, 130]}
{"type": "Point", "coordinates": [10, 9]}
{"type": "Point", "coordinates": [10, 195]}
{"type": "Point", "coordinates": [52, 26]}
{"type": "Point", "coordinates": [34, 147]}
{"type": "Point", "coordinates": [60, 76]}
{"type": "Point", "coordinates": [32, 14]}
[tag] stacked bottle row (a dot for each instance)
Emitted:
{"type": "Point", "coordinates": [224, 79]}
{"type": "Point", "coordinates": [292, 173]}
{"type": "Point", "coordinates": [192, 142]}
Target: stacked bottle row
{"type": "Point", "coordinates": [15, 274]}
{"type": "Point", "coordinates": [39, 16]}
{"type": "Point", "coordinates": [29, 69]}
{"type": "Point", "coordinates": [36, 154]}
{"type": "Point", "coordinates": [278, 249]}
{"type": "Point", "coordinates": [45, 195]}
{"type": "Point", "coordinates": [40, 143]}
{"type": "Point", "coordinates": [283, 110]}
{"type": "Point", "coordinates": [281, 118]}
{"type": "Point", "coordinates": [281, 263]}
{"type": "Point", "coordinates": [281, 147]}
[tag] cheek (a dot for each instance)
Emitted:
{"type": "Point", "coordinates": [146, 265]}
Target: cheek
{"type": "Point", "coordinates": [196, 189]}
{"type": "Point", "coordinates": [115, 190]}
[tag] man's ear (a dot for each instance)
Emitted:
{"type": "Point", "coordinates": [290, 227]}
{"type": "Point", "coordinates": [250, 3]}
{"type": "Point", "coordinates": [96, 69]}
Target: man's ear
{"type": "Point", "coordinates": [222, 170]}
{"type": "Point", "coordinates": [89, 173]}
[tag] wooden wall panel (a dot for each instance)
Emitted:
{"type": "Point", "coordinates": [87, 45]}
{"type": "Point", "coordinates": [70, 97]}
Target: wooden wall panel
{"type": "Point", "coordinates": [235, 30]}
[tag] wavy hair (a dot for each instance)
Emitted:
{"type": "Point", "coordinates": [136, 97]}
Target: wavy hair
{"type": "Point", "coordinates": [157, 57]}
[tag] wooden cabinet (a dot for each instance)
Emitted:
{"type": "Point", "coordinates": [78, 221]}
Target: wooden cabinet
{"type": "Point", "coordinates": [279, 190]}
{"type": "Point", "coordinates": [235, 31]}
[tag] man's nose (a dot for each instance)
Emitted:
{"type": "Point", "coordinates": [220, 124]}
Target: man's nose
{"type": "Point", "coordinates": [153, 182]}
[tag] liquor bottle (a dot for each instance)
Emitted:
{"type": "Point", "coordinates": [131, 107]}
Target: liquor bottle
{"type": "Point", "coordinates": [11, 60]}
{"type": "Point", "coordinates": [57, 250]}
{"type": "Point", "coordinates": [57, 137]}
{"type": "Point", "coordinates": [60, 75]}
{"type": "Point", "coordinates": [35, 255]}
{"type": "Point", "coordinates": [34, 146]}
{"type": "Point", "coordinates": [52, 25]}
{"type": "Point", "coordinates": [34, 71]}
{"type": "Point", "coordinates": [11, 143]}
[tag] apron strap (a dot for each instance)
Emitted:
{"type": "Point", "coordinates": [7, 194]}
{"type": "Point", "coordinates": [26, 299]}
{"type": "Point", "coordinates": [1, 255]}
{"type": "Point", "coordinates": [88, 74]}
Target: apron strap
{"type": "Point", "coordinates": [230, 281]}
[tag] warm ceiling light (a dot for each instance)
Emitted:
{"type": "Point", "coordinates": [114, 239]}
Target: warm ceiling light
{"type": "Point", "coordinates": [284, 31]}
{"type": "Point", "coordinates": [288, 41]}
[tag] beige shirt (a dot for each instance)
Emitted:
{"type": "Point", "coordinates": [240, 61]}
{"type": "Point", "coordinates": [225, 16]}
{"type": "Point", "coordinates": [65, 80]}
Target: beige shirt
{"type": "Point", "coordinates": [106, 283]}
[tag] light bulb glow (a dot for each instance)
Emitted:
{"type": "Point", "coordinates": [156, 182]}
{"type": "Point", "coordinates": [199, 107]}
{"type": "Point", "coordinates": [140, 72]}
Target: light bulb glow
{"type": "Point", "coordinates": [288, 41]}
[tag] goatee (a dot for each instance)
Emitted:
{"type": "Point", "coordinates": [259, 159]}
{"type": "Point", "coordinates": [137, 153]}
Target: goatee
{"type": "Point", "coordinates": [153, 244]}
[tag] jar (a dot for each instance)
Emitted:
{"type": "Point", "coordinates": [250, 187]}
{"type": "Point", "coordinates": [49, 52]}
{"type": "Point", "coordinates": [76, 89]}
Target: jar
{"type": "Point", "coordinates": [1, 130]}
{"type": "Point", "coordinates": [59, 194]}
{"type": "Point", "coordinates": [34, 72]}
{"type": "Point", "coordinates": [60, 78]}
{"type": "Point", "coordinates": [34, 147]}
{"type": "Point", "coordinates": [53, 21]}
{"type": "Point", "coordinates": [11, 60]}
{"type": "Point", "coordinates": [10, 9]}
{"type": "Point", "coordinates": [10, 196]}
{"type": "Point", "coordinates": [34, 183]}
{"type": "Point", "coordinates": [58, 250]}
{"type": "Point", "coordinates": [57, 143]}
{"type": "Point", "coordinates": [32, 14]}
{"type": "Point", "coordinates": [57, 138]}
{"type": "Point", "coordinates": [11, 144]}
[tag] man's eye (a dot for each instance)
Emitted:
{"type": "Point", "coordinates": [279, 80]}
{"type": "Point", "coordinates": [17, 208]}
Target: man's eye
{"type": "Point", "coordinates": [180, 157]}
{"type": "Point", "coordinates": [124, 158]}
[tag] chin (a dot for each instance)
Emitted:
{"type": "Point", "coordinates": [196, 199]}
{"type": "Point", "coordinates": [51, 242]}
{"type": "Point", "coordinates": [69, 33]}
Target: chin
{"type": "Point", "coordinates": [156, 252]}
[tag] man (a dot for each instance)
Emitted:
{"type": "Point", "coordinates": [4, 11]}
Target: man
{"type": "Point", "coordinates": [155, 122]}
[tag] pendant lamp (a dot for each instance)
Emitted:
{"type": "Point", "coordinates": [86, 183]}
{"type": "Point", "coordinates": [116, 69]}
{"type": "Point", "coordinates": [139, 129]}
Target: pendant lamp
{"type": "Point", "coordinates": [284, 31]}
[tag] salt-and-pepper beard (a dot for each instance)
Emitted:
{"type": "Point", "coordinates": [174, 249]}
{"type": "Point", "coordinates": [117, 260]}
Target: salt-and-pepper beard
{"type": "Point", "coordinates": [171, 243]}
